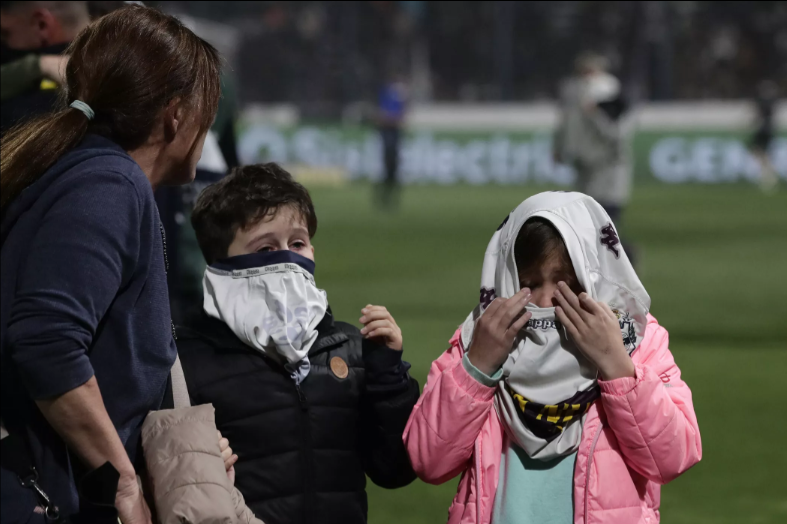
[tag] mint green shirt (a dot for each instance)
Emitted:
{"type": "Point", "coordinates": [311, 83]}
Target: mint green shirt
{"type": "Point", "coordinates": [529, 491]}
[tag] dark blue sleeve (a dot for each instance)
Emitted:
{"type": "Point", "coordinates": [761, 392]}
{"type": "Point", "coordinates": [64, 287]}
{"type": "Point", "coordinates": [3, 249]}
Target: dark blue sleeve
{"type": "Point", "coordinates": [385, 369]}
{"type": "Point", "coordinates": [86, 247]}
{"type": "Point", "coordinates": [390, 397]}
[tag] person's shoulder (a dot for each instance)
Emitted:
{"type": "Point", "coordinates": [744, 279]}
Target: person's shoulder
{"type": "Point", "coordinates": [96, 155]}
{"type": "Point", "coordinates": [191, 340]}
{"type": "Point", "coordinates": [194, 338]}
{"type": "Point", "coordinates": [196, 351]}
{"type": "Point", "coordinates": [202, 334]}
{"type": "Point", "coordinates": [97, 166]}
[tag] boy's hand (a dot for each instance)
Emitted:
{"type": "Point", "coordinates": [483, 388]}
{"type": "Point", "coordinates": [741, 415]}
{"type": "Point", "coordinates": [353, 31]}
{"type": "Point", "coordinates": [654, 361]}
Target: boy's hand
{"type": "Point", "coordinates": [496, 330]}
{"type": "Point", "coordinates": [378, 323]}
{"type": "Point", "coordinates": [229, 458]}
{"type": "Point", "coordinates": [595, 330]}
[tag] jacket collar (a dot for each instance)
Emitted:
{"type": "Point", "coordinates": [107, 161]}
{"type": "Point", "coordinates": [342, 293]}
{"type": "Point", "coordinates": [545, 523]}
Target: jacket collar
{"type": "Point", "coordinates": [328, 334]}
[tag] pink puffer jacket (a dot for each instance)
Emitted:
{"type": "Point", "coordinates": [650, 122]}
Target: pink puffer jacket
{"type": "Point", "coordinates": [641, 434]}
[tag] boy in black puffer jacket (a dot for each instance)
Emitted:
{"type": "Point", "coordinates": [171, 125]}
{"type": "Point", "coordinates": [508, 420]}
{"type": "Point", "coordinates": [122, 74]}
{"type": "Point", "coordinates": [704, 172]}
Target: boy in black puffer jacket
{"type": "Point", "coordinates": [310, 405]}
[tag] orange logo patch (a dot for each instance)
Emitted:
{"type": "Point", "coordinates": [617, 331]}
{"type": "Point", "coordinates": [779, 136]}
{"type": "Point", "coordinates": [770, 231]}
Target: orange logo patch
{"type": "Point", "coordinates": [339, 367]}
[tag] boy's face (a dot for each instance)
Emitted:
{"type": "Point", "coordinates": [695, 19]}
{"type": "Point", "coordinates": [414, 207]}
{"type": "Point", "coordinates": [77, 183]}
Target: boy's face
{"type": "Point", "coordinates": [543, 281]}
{"type": "Point", "coordinates": [283, 230]}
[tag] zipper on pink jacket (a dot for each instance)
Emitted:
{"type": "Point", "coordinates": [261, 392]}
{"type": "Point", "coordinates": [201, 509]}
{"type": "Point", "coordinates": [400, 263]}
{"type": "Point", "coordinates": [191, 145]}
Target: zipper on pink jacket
{"type": "Point", "coordinates": [590, 459]}
{"type": "Point", "coordinates": [478, 480]}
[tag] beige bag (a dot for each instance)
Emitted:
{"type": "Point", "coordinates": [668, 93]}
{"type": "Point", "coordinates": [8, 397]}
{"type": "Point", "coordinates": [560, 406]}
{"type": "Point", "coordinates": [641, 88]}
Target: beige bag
{"type": "Point", "coordinates": [185, 467]}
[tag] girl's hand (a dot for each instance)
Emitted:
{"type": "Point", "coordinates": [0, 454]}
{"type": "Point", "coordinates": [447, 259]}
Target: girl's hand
{"type": "Point", "coordinates": [379, 324]}
{"type": "Point", "coordinates": [594, 328]}
{"type": "Point", "coordinates": [496, 330]}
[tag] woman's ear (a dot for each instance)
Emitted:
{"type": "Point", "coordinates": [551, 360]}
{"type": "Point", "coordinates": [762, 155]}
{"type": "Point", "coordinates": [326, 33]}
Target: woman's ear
{"type": "Point", "coordinates": [173, 119]}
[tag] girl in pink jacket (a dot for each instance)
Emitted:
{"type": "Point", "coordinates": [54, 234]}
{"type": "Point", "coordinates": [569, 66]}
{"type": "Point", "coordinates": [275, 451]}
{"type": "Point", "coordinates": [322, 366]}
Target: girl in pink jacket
{"type": "Point", "coordinates": [559, 400]}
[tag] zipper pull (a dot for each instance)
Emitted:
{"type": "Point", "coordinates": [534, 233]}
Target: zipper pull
{"type": "Point", "coordinates": [302, 398]}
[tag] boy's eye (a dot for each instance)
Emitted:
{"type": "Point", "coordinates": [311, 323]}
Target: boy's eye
{"type": "Point", "coordinates": [299, 245]}
{"type": "Point", "coordinates": [265, 249]}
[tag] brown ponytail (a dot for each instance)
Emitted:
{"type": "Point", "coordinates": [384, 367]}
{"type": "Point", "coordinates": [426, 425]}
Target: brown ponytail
{"type": "Point", "coordinates": [127, 67]}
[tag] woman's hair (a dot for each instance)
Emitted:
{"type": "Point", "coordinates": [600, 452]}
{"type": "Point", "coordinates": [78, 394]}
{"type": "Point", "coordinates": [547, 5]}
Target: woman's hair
{"type": "Point", "coordinates": [538, 242]}
{"type": "Point", "coordinates": [127, 67]}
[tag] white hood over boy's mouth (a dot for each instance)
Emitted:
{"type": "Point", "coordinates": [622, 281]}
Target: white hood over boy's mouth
{"type": "Point", "coordinates": [270, 302]}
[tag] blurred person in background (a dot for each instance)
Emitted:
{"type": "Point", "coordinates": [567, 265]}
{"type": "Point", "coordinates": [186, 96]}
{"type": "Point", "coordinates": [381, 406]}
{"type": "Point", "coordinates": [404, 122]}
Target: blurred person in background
{"type": "Point", "coordinates": [87, 339]}
{"type": "Point", "coordinates": [22, 74]}
{"type": "Point", "coordinates": [765, 102]}
{"type": "Point", "coordinates": [99, 8]}
{"type": "Point", "coordinates": [38, 28]}
{"type": "Point", "coordinates": [19, 75]}
{"type": "Point", "coordinates": [594, 137]}
{"type": "Point", "coordinates": [392, 106]}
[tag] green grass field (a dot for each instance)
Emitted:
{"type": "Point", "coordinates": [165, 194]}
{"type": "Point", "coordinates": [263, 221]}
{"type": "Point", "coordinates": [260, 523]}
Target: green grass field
{"type": "Point", "coordinates": [714, 260]}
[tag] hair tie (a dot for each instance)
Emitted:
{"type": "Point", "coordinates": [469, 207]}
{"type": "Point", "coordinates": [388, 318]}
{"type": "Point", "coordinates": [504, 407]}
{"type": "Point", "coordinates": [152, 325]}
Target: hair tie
{"type": "Point", "coordinates": [81, 106]}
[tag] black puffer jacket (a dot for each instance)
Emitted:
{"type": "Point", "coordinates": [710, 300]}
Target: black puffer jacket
{"type": "Point", "coordinates": [303, 452]}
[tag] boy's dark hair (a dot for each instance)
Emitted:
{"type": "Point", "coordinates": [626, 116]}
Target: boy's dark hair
{"type": "Point", "coordinates": [241, 199]}
{"type": "Point", "coordinates": [537, 242]}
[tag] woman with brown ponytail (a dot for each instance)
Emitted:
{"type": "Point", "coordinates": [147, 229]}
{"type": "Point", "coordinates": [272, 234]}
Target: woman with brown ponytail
{"type": "Point", "coordinates": [87, 341]}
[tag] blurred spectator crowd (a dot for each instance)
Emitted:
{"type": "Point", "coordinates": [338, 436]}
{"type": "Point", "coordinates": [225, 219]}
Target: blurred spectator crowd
{"type": "Point", "coordinates": [323, 55]}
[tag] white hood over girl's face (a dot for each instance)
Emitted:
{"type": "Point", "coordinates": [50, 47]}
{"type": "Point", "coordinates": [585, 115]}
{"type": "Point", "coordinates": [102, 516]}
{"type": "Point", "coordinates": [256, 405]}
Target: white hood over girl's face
{"type": "Point", "coordinates": [546, 373]}
{"type": "Point", "coordinates": [270, 302]}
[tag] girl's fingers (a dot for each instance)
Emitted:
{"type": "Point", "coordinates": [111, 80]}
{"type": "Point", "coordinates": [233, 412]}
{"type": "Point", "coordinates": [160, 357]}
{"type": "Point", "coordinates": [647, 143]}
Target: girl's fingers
{"type": "Point", "coordinates": [494, 306]}
{"type": "Point", "coordinates": [519, 323]}
{"type": "Point", "coordinates": [514, 306]}
{"type": "Point", "coordinates": [568, 310]}
{"type": "Point", "coordinates": [572, 299]}
{"type": "Point", "coordinates": [226, 454]}
{"type": "Point", "coordinates": [590, 305]}
{"type": "Point", "coordinates": [507, 311]}
{"type": "Point", "coordinates": [224, 444]}
{"type": "Point", "coordinates": [566, 321]}
{"type": "Point", "coordinates": [522, 294]}
{"type": "Point", "coordinates": [371, 326]}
